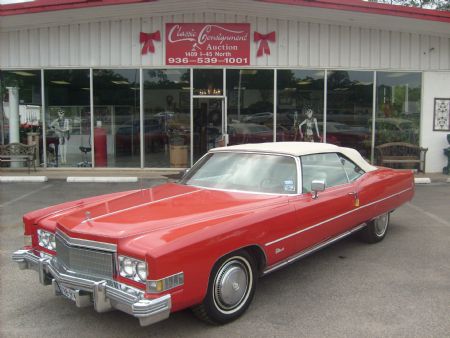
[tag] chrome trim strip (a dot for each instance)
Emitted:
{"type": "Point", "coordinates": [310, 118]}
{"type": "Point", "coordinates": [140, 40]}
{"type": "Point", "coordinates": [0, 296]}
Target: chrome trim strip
{"type": "Point", "coordinates": [311, 250]}
{"type": "Point", "coordinates": [240, 191]}
{"type": "Point", "coordinates": [333, 218]}
{"type": "Point", "coordinates": [84, 243]}
{"type": "Point", "coordinates": [65, 210]}
{"type": "Point", "coordinates": [137, 206]}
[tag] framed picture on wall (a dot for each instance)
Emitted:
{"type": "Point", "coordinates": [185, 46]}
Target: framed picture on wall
{"type": "Point", "coordinates": [441, 120]}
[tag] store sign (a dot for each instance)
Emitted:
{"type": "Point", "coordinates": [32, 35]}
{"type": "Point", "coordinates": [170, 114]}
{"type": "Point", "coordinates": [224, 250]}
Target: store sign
{"type": "Point", "coordinates": [200, 44]}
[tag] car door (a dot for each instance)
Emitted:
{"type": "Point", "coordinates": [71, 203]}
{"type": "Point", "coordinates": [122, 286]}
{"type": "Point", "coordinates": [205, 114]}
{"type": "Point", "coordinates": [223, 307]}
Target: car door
{"type": "Point", "coordinates": [331, 212]}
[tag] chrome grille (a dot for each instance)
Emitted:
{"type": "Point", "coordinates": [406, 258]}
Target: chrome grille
{"type": "Point", "coordinates": [84, 260]}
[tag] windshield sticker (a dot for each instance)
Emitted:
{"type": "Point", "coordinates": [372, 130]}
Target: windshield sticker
{"type": "Point", "coordinates": [289, 186]}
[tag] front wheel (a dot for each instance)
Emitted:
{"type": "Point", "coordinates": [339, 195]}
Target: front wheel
{"type": "Point", "coordinates": [375, 230]}
{"type": "Point", "coordinates": [230, 290]}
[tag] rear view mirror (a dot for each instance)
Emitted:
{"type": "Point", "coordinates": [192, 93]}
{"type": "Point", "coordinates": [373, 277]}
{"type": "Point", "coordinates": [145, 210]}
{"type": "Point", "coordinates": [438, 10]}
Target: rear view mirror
{"type": "Point", "coordinates": [316, 186]}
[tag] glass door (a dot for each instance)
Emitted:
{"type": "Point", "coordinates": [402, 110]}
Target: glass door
{"type": "Point", "coordinates": [209, 124]}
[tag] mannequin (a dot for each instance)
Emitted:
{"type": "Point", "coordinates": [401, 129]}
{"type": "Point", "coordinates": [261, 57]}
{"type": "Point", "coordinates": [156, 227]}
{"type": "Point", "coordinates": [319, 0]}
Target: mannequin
{"type": "Point", "coordinates": [310, 122]}
{"type": "Point", "coordinates": [61, 126]}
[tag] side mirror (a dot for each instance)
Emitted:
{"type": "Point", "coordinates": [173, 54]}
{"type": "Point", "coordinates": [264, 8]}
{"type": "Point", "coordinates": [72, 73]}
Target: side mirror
{"type": "Point", "coordinates": [316, 186]}
{"type": "Point", "coordinates": [183, 173]}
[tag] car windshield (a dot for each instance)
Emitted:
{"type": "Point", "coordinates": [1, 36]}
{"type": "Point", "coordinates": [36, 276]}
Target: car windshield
{"type": "Point", "coordinates": [249, 172]}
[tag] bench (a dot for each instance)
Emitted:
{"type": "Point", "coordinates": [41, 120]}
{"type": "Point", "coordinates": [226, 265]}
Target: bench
{"type": "Point", "coordinates": [18, 152]}
{"type": "Point", "coordinates": [401, 155]}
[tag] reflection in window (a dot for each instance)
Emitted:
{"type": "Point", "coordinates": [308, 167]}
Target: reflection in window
{"type": "Point", "coordinates": [300, 102]}
{"type": "Point", "coordinates": [236, 171]}
{"type": "Point", "coordinates": [166, 117]}
{"type": "Point", "coordinates": [349, 109]}
{"type": "Point", "coordinates": [116, 116]}
{"type": "Point", "coordinates": [326, 167]}
{"type": "Point", "coordinates": [250, 105]}
{"type": "Point", "coordinates": [20, 109]}
{"type": "Point", "coordinates": [398, 107]}
{"type": "Point", "coordinates": [208, 82]}
{"type": "Point", "coordinates": [68, 118]}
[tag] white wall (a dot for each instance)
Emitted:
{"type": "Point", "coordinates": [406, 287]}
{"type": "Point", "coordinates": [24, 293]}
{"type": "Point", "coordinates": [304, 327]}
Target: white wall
{"type": "Point", "coordinates": [299, 43]}
{"type": "Point", "coordinates": [435, 85]}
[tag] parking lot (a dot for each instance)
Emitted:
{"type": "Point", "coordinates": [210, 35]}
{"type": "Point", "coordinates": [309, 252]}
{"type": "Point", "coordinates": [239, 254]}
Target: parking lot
{"type": "Point", "coordinates": [399, 287]}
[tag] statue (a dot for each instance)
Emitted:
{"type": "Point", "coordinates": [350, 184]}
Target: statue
{"type": "Point", "coordinates": [61, 126]}
{"type": "Point", "coordinates": [311, 122]}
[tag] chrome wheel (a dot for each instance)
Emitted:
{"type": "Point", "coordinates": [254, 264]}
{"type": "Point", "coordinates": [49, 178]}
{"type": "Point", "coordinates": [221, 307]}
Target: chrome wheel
{"type": "Point", "coordinates": [381, 223]}
{"type": "Point", "coordinates": [232, 285]}
{"type": "Point", "coordinates": [231, 288]}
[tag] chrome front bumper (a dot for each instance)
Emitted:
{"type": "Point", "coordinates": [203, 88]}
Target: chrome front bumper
{"type": "Point", "coordinates": [104, 295]}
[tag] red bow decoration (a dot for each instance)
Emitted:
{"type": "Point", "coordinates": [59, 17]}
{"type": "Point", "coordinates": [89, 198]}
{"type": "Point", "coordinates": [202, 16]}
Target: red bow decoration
{"type": "Point", "coordinates": [264, 44]}
{"type": "Point", "coordinates": [147, 40]}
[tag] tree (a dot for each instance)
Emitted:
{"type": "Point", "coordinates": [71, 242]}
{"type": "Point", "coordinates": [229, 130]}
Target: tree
{"type": "Point", "coordinates": [427, 4]}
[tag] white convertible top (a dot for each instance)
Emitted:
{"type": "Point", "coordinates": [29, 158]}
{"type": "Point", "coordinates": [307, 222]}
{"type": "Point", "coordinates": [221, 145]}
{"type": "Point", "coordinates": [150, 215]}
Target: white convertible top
{"type": "Point", "coordinates": [299, 149]}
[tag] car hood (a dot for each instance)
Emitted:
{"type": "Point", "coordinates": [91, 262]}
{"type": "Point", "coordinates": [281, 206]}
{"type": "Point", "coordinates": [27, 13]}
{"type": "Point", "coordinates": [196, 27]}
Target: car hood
{"type": "Point", "coordinates": [162, 207]}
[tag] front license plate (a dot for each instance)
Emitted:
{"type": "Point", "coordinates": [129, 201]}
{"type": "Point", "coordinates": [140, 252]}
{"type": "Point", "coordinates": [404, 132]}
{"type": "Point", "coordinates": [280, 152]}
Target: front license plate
{"type": "Point", "coordinates": [68, 293]}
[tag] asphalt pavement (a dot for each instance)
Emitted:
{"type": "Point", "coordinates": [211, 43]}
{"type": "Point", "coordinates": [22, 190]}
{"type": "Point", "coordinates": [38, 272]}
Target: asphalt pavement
{"type": "Point", "coordinates": [399, 287]}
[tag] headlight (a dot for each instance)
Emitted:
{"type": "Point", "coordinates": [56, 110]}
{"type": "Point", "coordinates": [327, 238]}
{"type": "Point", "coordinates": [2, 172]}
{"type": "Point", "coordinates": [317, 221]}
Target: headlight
{"type": "Point", "coordinates": [46, 239]}
{"type": "Point", "coordinates": [133, 269]}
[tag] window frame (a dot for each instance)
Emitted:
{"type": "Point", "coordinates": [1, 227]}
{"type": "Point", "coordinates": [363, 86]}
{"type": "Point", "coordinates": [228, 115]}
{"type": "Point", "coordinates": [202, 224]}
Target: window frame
{"type": "Point", "coordinates": [339, 156]}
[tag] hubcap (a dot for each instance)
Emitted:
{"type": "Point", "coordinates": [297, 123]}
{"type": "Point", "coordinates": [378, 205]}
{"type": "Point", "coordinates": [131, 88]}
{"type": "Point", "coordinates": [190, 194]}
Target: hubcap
{"type": "Point", "coordinates": [381, 224]}
{"type": "Point", "coordinates": [231, 285]}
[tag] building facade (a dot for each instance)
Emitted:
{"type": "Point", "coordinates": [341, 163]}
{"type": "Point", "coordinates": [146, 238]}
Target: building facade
{"type": "Point", "coordinates": [133, 85]}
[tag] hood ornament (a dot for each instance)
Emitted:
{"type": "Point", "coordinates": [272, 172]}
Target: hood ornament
{"type": "Point", "coordinates": [88, 215]}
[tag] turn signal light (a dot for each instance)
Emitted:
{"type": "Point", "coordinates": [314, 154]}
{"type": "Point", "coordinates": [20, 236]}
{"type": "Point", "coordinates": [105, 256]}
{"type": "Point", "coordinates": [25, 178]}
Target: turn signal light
{"type": "Point", "coordinates": [161, 285]}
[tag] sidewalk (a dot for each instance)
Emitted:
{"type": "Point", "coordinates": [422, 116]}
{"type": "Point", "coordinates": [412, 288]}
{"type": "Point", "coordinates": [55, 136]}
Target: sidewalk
{"type": "Point", "coordinates": [62, 174]}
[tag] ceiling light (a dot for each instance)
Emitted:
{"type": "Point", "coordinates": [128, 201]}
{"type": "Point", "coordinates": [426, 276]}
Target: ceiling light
{"type": "Point", "coordinates": [11, 2]}
{"type": "Point", "coordinates": [395, 74]}
{"type": "Point", "coordinates": [122, 82]}
{"type": "Point", "coordinates": [22, 73]}
{"type": "Point", "coordinates": [60, 82]}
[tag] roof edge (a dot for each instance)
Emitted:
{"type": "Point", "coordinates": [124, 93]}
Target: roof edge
{"type": "Point", "coordinates": [56, 5]}
{"type": "Point", "coordinates": [370, 8]}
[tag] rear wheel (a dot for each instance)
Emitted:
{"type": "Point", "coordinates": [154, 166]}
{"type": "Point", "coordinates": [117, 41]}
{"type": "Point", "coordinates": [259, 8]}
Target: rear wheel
{"type": "Point", "coordinates": [375, 230]}
{"type": "Point", "coordinates": [230, 290]}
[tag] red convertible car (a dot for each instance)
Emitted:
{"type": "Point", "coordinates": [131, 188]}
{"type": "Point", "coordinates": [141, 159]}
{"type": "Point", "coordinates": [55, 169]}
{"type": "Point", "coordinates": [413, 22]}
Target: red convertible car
{"type": "Point", "coordinates": [239, 213]}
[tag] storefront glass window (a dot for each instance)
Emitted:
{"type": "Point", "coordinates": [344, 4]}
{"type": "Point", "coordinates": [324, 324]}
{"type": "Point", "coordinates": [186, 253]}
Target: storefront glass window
{"type": "Point", "coordinates": [208, 82]}
{"type": "Point", "coordinates": [68, 119]}
{"type": "Point", "coordinates": [300, 95]}
{"type": "Point", "coordinates": [349, 110]}
{"type": "Point", "coordinates": [116, 118]}
{"type": "Point", "coordinates": [250, 105]}
{"type": "Point", "coordinates": [20, 109]}
{"type": "Point", "coordinates": [166, 117]}
{"type": "Point", "coordinates": [398, 107]}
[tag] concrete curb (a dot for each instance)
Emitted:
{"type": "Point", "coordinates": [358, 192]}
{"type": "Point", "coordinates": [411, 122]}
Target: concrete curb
{"type": "Point", "coordinates": [25, 179]}
{"type": "Point", "coordinates": [422, 180]}
{"type": "Point", "coordinates": [101, 179]}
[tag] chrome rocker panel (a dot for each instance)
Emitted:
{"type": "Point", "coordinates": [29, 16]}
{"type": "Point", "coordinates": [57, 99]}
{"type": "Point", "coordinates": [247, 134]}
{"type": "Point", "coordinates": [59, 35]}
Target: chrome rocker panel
{"type": "Point", "coordinates": [104, 295]}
